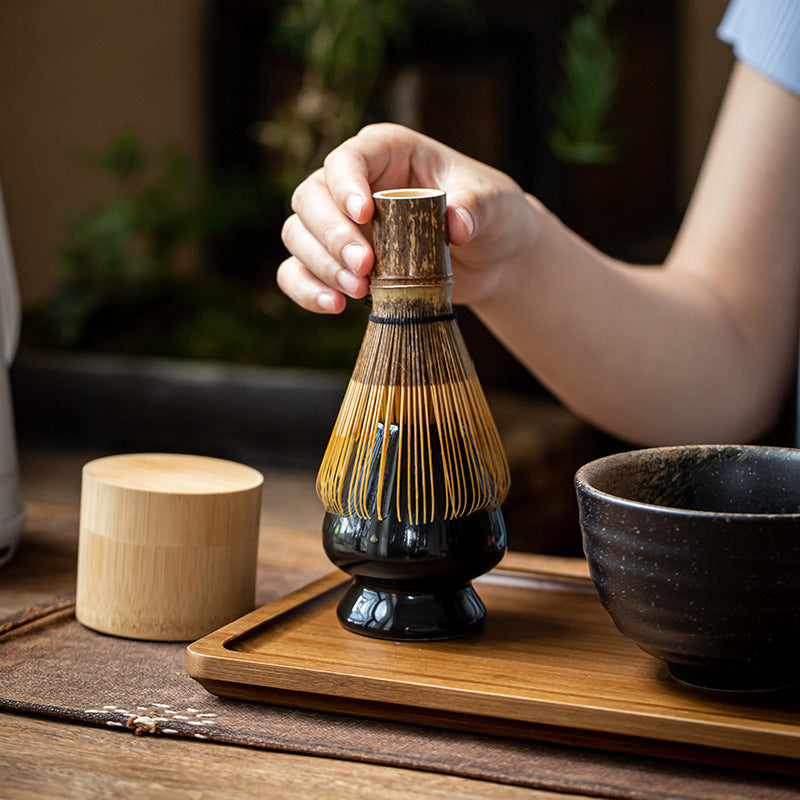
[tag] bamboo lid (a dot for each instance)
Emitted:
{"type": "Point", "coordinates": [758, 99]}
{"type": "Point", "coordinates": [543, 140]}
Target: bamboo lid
{"type": "Point", "coordinates": [168, 544]}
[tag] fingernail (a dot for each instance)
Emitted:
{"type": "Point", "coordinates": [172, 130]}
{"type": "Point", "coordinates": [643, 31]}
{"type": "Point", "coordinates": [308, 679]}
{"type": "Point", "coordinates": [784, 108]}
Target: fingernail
{"type": "Point", "coordinates": [354, 205]}
{"type": "Point", "coordinates": [347, 281]}
{"type": "Point", "coordinates": [326, 302]}
{"type": "Point", "coordinates": [466, 218]}
{"type": "Point", "coordinates": [353, 255]}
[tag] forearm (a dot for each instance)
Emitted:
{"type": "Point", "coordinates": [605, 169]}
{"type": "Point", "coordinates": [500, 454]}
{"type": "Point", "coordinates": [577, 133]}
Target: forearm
{"type": "Point", "coordinates": [652, 354]}
{"type": "Point", "coordinates": [703, 347]}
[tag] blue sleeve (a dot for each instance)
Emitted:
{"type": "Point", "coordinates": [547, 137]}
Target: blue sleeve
{"type": "Point", "coordinates": [766, 35]}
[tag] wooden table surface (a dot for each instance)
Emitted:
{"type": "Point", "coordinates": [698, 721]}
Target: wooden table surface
{"type": "Point", "coordinates": [42, 758]}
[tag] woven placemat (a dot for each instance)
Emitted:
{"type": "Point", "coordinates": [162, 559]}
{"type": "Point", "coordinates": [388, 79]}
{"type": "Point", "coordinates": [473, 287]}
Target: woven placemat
{"type": "Point", "coordinates": [53, 666]}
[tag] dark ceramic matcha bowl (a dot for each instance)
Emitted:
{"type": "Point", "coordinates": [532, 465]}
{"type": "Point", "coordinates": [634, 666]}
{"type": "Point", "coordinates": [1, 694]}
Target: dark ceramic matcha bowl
{"type": "Point", "coordinates": [695, 552]}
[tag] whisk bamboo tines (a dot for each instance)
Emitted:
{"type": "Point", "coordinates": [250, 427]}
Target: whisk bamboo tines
{"type": "Point", "coordinates": [414, 439]}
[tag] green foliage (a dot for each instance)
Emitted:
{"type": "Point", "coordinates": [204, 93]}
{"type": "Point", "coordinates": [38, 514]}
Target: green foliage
{"type": "Point", "coordinates": [590, 77]}
{"type": "Point", "coordinates": [131, 278]}
{"type": "Point", "coordinates": [196, 318]}
{"type": "Point", "coordinates": [342, 45]}
{"type": "Point", "coordinates": [140, 232]}
{"type": "Point", "coordinates": [132, 285]}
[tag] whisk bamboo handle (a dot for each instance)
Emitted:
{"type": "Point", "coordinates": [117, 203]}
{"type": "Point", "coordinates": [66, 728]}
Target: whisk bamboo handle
{"type": "Point", "coordinates": [409, 236]}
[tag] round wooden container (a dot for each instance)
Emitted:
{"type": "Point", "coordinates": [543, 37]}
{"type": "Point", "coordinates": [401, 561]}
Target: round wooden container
{"type": "Point", "coordinates": [168, 545]}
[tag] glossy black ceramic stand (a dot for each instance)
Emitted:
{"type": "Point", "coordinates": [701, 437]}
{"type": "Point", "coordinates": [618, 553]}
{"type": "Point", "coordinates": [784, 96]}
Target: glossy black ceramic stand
{"type": "Point", "coordinates": [413, 581]}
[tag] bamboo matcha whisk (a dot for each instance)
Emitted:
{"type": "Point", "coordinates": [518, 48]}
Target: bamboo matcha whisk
{"type": "Point", "coordinates": [414, 379]}
{"type": "Point", "coordinates": [414, 472]}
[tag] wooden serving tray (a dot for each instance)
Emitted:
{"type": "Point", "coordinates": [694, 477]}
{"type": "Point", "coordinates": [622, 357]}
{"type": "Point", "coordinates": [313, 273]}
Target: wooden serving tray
{"type": "Point", "coordinates": [549, 665]}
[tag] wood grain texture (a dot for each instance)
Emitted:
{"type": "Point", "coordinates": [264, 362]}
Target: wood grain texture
{"type": "Point", "coordinates": [549, 665]}
{"type": "Point", "coordinates": [168, 544]}
{"type": "Point", "coordinates": [46, 562]}
{"type": "Point", "coordinates": [50, 758]}
{"type": "Point", "coordinates": [45, 759]}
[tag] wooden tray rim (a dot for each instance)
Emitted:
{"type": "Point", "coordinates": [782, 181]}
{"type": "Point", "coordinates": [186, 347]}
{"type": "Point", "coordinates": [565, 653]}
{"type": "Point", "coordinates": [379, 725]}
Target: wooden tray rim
{"type": "Point", "coordinates": [208, 657]}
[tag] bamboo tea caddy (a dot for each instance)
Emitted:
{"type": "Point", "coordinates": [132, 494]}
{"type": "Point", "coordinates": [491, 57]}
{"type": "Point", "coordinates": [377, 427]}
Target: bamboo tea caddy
{"type": "Point", "coordinates": [168, 544]}
{"type": "Point", "coordinates": [414, 473]}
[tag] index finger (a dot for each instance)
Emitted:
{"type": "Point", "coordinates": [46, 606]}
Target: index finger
{"type": "Point", "coordinates": [378, 157]}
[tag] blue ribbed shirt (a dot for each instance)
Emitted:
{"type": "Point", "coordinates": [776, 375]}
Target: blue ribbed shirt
{"type": "Point", "coordinates": [766, 35]}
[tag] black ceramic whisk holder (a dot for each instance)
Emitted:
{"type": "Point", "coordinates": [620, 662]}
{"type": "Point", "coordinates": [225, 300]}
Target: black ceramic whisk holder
{"type": "Point", "coordinates": [413, 581]}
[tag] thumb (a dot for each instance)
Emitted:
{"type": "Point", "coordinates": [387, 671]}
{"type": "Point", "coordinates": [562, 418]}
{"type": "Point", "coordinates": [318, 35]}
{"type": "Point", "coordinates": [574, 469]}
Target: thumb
{"type": "Point", "coordinates": [463, 218]}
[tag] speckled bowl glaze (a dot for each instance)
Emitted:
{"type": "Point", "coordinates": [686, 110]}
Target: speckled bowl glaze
{"type": "Point", "coordinates": [695, 552]}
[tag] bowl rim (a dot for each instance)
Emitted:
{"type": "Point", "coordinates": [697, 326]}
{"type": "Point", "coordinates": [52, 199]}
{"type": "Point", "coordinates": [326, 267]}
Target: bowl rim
{"type": "Point", "coordinates": [582, 484]}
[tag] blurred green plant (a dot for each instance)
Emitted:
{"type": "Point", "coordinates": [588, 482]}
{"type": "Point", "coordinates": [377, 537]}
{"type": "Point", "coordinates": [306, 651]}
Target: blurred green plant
{"type": "Point", "coordinates": [590, 67]}
{"type": "Point", "coordinates": [342, 45]}
{"type": "Point", "coordinates": [141, 231]}
{"type": "Point", "coordinates": [134, 279]}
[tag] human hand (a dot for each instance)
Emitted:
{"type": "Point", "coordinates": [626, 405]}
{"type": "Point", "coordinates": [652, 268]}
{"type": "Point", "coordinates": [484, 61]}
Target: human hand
{"type": "Point", "coordinates": [489, 217]}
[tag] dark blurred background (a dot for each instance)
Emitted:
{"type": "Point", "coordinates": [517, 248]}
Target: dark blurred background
{"type": "Point", "coordinates": [148, 151]}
